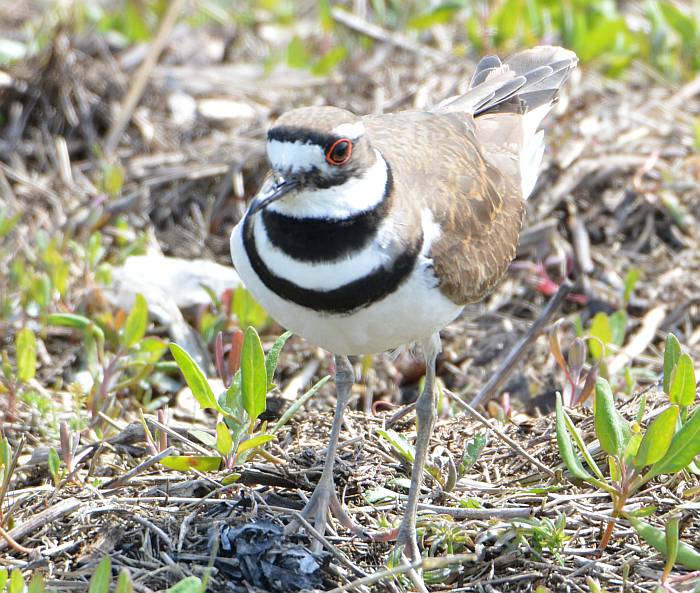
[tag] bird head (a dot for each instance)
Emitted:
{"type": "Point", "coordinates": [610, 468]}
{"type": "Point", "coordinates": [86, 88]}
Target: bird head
{"type": "Point", "coordinates": [314, 148]}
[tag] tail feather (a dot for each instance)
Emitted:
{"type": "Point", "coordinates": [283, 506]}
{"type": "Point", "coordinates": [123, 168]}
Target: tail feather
{"type": "Point", "coordinates": [509, 100]}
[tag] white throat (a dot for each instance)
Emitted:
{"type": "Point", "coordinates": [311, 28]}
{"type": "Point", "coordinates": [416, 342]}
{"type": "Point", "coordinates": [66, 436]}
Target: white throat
{"type": "Point", "coordinates": [356, 195]}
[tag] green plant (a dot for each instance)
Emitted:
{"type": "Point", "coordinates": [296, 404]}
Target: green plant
{"type": "Point", "coordinates": [239, 434]}
{"type": "Point", "coordinates": [134, 358]}
{"type": "Point", "coordinates": [14, 381]}
{"type": "Point", "coordinates": [667, 446]}
{"type": "Point", "coordinates": [100, 581]}
{"type": "Point", "coordinates": [542, 535]}
{"type": "Point", "coordinates": [8, 463]}
{"type": "Point", "coordinates": [666, 541]}
{"type": "Point", "coordinates": [407, 452]}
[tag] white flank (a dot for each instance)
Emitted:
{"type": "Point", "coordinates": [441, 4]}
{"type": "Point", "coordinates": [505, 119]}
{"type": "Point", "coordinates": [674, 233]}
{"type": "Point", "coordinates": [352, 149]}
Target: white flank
{"type": "Point", "coordinates": [324, 276]}
{"type": "Point", "coordinates": [296, 157]}
{"type": "Point", "coordinates": [352, 131]}
{"type": "Point", "coordinates": [416, 311]}
{"type": "Point", "coordinates": [532, 148]}
{"type": "Point", "coordinates": [356, 195]}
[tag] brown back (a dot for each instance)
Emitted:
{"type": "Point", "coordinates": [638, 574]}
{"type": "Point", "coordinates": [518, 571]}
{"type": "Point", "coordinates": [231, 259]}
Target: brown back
{"type": "Point", "coordinates": [437, 161]}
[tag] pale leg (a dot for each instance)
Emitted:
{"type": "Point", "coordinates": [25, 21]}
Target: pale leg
{"type": "Point", "coordinates": [324, 495]}
{"type": "Point", "coordinates": [425, 417]}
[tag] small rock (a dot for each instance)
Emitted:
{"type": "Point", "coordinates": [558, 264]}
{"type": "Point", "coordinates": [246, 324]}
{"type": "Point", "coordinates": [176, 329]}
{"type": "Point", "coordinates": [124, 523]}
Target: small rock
{"type": "Point", "coordinates": [226, 110]}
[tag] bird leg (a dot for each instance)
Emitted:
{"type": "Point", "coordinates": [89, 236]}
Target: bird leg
{"type": "Point", "coordinates": [425, 417]}
{"type": "Point", "coordinates": [324, 496]}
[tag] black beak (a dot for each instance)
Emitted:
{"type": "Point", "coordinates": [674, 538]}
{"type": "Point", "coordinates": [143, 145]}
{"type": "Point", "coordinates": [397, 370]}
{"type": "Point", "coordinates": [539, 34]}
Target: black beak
{"type": "Point", "coordinates": [274, 193]}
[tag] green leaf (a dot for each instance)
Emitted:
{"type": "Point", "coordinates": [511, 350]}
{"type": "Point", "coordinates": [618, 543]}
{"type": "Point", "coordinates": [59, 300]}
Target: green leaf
{"type": "Point", "coordinates": [247, 310]}
{"type": "Point", "coordinates": [254, 442]}
{"type": "Point", "coordinates": [185, 463]}
{"type": "Point", "coordinates": [325, 16]}
{"type": "Point", "coordinates": [273, 356]}
{"type": "Point", "coordinates": [253, 375]}
{"type": "Point", "coordinates": [189, 584]}
{"type": "Point", "coordinates": [671, 355]}
{"type": "Point", "coordinates": [3, 578]}
{"type": "Point", "coordinates": [54, 466]}
{"type": "Point", "coordinates": [399, 444]}
{"type": "Point", "coordinates": [611, 428]}
{"type": "Point", "coordinates": [296, 406]}
{"type": "Point", "coordinates": [684, 25]}
{"type": "Point", "coordinates": [657, 438]}
{"type": "Point", "coordinates": [230, 400]}
{"type": "Point", "coordinates": [380, 495]}
{"type": "Point", "coordinates": [195, 378]}
{"type": "Point", "coordinates": [5, 459]}
{"type": "Point", "coordinates": [566, 447]}
{"type": "Point", "coordinates": [25, 344]}
{"type": "Point", "coordinates": [208, 439]}
{"type": "Point", "coordinates": [136, 322]}
{"type": "Point", "coordinates": [682, 388]}
{"type": "Point", "coordinates": [16, 584]}
{"type": "Point", "coordinates": [687, 555]}
{"type": "Point", "coordinates": [329, 61]}
{"type": "Point", "coordinates": [134, 21]}
{"type": "Point", "coordinates": [232, 478]}
{"type": "Point", "coordinates": [224, 442]}
{"type": "Point", "coordinates": [672, 542]}
{"type": "Point", "coordinates": [472, 451]}
{"type": "Point", "coordinates": [36, 585]}
{"type": "Point", "coordinates": [631, 278]}
{"type": "Point", "coordinates": [7, 223]}
{"type": "Point", "coordinates": [297, 55]}
{"type": "Point", "coordinates": [580, 446]}
{"type": "Point", "coordinates": [602, 38]}
{"type": "Point", "coordinates": [151, 349]}
{"type": "Point", "coordinates": [618, 327]}
{"type": "Point", "coordinates": [683, 449]}
{"type": "Point", "coordinates": [102, 577]}
{"type": "Point", "coordinates": [442, 13]}
{"type": "Point", "coordinates": [632, 447]}
{"type": "Point", "coordinates": [600, 329]}
{"type": "Point", "coordinates": [124, 582]}
{"type": "Point", "coordinates": [68, 320]}
{"type": "Point", "coordinates": [95, 252]}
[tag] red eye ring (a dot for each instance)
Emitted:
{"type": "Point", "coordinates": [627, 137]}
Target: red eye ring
{"type": "Point", "coordinates": [339, 152]}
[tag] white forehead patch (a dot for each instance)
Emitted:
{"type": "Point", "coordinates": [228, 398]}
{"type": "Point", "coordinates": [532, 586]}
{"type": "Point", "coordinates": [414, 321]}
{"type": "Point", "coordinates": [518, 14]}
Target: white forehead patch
{"type": "Point", "coordinates": [352, 131]}
{"type": "Point", "coordinates": [295, 156]}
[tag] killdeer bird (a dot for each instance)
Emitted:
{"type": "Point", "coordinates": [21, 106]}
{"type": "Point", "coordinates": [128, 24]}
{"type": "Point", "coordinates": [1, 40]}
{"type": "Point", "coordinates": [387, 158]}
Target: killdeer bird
{"type": "Point", "coordinates": [375, 231]}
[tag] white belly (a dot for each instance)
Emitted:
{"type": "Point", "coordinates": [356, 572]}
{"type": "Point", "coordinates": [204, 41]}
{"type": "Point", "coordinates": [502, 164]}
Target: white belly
{"type": "Point", "coordinates": [415, 311]}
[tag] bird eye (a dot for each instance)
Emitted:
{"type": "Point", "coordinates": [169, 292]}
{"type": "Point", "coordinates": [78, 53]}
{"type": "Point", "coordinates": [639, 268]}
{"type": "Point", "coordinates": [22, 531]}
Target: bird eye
{"type": "Point", "coordinates": [339, 152]}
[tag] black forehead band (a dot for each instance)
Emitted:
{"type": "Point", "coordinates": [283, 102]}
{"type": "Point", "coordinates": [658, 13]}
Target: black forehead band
{"type": "Point", "coordinates": [300, 134]}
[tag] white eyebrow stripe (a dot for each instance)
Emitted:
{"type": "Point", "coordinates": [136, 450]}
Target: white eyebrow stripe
{"type": "Point", "coordinates": [352, 131]}
{"type": "Point", "coordinates": [295, 156]}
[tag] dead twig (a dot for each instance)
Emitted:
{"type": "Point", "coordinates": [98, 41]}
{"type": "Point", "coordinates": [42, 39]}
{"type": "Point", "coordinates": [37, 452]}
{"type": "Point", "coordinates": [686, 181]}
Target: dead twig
{"type": "Point", "coordinates": [65, 507]}
{"type": "Point", "coordinates": [396, 39]}
{"type": "Point", "coordinates": [505, 438]}
{"type": "Point", "coordinates": [141, 78]}
{"type": "Point", "coordinates": [504, 371]}
{"type": "Point", "coordinates": [422, 564]}
{"type": "Point", "coordinates": [141, 467]}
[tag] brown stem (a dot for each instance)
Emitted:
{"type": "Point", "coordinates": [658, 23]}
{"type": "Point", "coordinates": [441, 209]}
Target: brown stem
{"type": "Point", "coordinates": [13, 544]}
{"type": "Point", "coordinates": [605, 540]}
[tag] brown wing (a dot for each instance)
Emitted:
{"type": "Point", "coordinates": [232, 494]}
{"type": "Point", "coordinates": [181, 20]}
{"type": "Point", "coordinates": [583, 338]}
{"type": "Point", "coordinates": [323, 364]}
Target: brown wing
{"type": "Point", "coordinates": [437, 162]}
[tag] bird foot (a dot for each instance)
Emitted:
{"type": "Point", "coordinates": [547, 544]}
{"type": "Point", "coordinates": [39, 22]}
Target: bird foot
{"type": "Point", "coordinates": [407, 541]}
{"type": "Point", "coordinates": [316, 510]}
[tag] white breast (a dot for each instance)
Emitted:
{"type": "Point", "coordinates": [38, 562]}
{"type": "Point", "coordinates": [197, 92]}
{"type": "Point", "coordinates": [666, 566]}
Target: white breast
{"type": "Point", "coordinates": [415, 311]}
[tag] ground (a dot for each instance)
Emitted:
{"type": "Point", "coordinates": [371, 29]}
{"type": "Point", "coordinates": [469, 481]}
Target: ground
{"type": "Point", "coordinates": [619, 191]}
